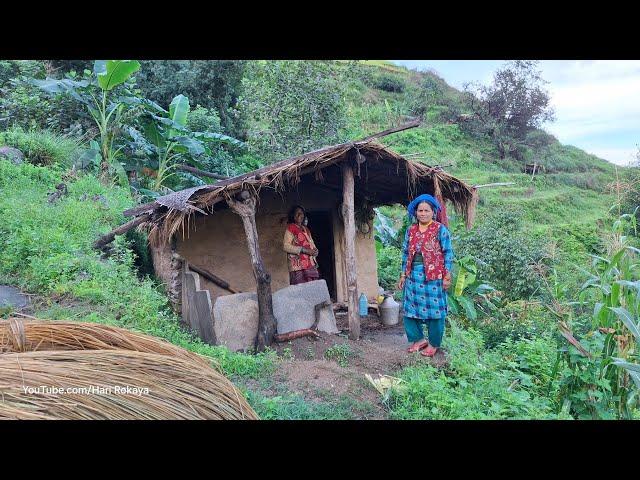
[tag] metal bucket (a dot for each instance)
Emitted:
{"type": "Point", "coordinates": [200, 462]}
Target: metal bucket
{"type": "Point", "coordinates": [389, 311]}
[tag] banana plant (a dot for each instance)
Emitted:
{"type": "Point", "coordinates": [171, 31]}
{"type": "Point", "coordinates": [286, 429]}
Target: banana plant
{"type": "Point", "coordinates": [470, 296]}
{"type": "Point", "coordinates": [95, 91]}
{"type": "Point", "coordinates": [166, 135]}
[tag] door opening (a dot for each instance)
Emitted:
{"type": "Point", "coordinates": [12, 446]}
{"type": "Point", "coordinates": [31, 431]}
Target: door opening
{"type": "Point", "coordinates": [321, 228]}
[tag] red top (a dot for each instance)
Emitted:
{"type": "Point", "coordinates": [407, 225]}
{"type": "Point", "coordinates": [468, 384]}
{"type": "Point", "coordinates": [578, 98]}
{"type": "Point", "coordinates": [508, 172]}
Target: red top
{"type": "Point", "coordinates": [300, 239]}
{"type": "Point", "coordinates": [430, 248]}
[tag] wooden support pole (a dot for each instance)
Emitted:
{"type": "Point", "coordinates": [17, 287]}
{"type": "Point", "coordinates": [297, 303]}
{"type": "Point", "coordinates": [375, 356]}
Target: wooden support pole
{"type": "Point", "coordinates": [348, 214]}
{"type": "Point", "coordinates": [245, 206]}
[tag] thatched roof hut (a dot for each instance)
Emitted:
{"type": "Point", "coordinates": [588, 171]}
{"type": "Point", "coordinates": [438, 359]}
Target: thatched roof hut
{"type": "Point", "coordinates": [338, 185]}
{"type": "Point", "coordinates": [383, 177]}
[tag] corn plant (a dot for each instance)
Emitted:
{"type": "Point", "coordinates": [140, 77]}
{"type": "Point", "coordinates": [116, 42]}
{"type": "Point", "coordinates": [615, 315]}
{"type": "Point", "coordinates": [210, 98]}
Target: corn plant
{"type": "Point", "coordinates": [602, 376]}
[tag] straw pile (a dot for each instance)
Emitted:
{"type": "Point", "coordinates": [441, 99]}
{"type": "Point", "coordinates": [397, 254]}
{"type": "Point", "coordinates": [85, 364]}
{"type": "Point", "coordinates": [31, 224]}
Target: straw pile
{"type": "Point", "coordinates": [59, 374]}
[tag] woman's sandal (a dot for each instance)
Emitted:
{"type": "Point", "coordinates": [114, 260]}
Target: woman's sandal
{"type": "Point", "coordinates": [417, 348]}
{"type": "Point", "coordinates": [429, 352]}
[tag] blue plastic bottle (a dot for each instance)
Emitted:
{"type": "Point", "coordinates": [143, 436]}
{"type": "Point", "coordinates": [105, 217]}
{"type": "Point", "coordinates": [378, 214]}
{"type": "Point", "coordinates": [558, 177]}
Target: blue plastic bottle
{"type": "Point", "coordinates": [364, 305]}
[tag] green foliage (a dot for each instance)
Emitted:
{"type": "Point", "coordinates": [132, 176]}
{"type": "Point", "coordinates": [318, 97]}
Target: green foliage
{"type": "Point", "coordinates": [294, 106]}
{"type": "Point", "coordinates": [46, 248]}
{"type": "Point", "coordinates": [507, 256]}
{"type": "Point", "coordinates": [340, 352]}
{"type": "Point", "coordinates": [389, 265]}
{"type": "Point", "coordinates": [202, 119]}
{"type": "Point", "coordinates": [107, 108]}
{"type": "Point", "coordinates": [214, 84]}
{"type": "Point", "coordinates": [167, 137]}
{"type": "Point", "coordinates": [42, 147]}
{"type": "Point", "coordinates": [479, 384]}
{"type": "Point", "coordinates": [26, 106]}
{"type": "Point", "coordinates": [388, 82]}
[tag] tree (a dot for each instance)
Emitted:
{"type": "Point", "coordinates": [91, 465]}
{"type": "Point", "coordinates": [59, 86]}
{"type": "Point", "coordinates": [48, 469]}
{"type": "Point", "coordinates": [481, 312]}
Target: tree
{"type": "Point", "coordinates": [213, 84]}
{"type": "Point", "coordinates": [294, 106]}
{"type": "Point", "coordinates": [515, 104]}
{"type": "Point", "coordinates": [96, 91]}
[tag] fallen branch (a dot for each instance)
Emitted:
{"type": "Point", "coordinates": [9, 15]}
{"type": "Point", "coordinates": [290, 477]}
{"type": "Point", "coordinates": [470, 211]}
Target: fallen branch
{"type": "Point", "coordinates": [502, 184]}
{"type": "Point", "coordinates": [406, 126]}
{"type": "Point", "coordinates": [311, 332]}
{"type": "Point", "coordinates": [104, 240]}
{"type": "Point", "coordinates": [202, 173]}
{"type": "Point", "coordinates": [287, 337]}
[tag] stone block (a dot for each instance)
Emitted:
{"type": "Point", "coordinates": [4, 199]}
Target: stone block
{"type": "Point", "coordinates": [293, 307]}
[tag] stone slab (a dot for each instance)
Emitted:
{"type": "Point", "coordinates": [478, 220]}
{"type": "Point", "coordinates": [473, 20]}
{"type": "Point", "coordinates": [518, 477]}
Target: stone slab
{"type": "Point", "coordinates": [293, 307]}
{"type": "Point", "coordinates": [12, 296]}
{"type": "Point", "coordinates": [236, 320]}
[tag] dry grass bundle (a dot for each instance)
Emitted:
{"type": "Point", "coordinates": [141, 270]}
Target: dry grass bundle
{"type": "Point", "coordinates": [90, 384]}
{"type": "Point", "coordinates": [98, 362]}
{"type": "Point", "coordinates": [17, 335]}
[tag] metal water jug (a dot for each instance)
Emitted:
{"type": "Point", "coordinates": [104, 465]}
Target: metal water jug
{"type": "Point", "coordinates": [389, 311]}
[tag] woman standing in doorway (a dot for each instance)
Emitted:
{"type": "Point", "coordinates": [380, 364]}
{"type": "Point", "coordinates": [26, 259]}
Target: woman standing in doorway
{"type": "Point", "coordinates": [300, 248]}
{"type": "Point", "coordinates": [427, 258]}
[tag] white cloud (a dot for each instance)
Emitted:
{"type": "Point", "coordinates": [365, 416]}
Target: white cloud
{"type": "Point", "coordinates": [619, 156]}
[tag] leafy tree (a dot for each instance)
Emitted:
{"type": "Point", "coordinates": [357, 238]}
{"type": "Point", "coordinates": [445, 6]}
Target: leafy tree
{"type": "Point", "coordinates": [214, 84]}
{"type": "Point", "coordinates": [295, 106]}
{"type": "Point", "coordinates": [512, 106]}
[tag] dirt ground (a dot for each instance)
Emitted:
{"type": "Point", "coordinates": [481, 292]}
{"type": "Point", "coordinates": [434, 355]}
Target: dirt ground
{"type": "Point", "coordinates": [318, 371]}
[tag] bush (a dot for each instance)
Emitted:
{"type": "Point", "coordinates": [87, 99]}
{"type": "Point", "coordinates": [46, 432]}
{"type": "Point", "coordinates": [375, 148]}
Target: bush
{"type": "Point", "coordinates": [202, 119]}
{"type": "Point", "coordinates": [25, 105]}
{"type": "Point", "coordinates": [508, 257]}
{"type": "Point", "coordinates": [389, 264]}
{"type": "Point", "coordinates": [479, 384]}
{"type": "Point", "coordinates": [42, 147]}
{"type": "Point", "coordinates": [518, 321]}
{"type": "Point", "coordinates": [388, 82]}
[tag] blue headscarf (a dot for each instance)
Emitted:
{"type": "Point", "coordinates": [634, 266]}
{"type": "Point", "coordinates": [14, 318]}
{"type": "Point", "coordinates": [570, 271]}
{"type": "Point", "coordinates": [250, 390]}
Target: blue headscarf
{"type": "Point", "coordinates": [425, 197]}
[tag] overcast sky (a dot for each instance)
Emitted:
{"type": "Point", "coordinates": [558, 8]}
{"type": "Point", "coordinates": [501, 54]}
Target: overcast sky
{"type": "Point", "coordinates": [597, 102]}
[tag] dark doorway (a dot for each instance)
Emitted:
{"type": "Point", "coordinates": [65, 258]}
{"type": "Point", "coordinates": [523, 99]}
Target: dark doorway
{"type": "Point", "coordinates": [321, 228]}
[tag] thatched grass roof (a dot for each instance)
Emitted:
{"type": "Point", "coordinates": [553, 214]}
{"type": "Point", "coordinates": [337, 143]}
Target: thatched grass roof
{"type": "Point", "coordinates": [383, 177]}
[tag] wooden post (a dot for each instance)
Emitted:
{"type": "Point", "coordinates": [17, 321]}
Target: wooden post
{"type": "Point", "coordinates": [348, 214]}
{"type": "Point", "coordinates": [245, 206]}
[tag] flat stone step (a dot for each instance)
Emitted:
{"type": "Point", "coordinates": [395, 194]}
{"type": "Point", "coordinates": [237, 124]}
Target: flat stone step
{"type": "Point", "coordinates": [12, 296]}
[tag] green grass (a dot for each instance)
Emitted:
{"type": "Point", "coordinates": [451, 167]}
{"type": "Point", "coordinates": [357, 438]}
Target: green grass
{"type": "Point", "coordinates": [42, 147]}
{"type": "Point", "coordinates": [46, 249]}
{"type": "Point", "coordinates": [509, 382]}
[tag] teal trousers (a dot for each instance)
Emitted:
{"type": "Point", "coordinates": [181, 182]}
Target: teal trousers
{"type": "Point", "coordinates": [413, 328]}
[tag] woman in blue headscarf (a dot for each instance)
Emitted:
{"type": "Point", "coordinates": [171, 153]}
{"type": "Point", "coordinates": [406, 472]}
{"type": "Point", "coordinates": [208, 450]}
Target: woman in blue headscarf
{"type": "Point", "coordinates": [427, 258]}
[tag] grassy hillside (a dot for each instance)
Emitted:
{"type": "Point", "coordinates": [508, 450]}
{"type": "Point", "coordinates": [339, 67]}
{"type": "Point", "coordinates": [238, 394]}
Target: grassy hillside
{"type": "Point", "coordinates": [503, 366]}
{"type": "Point", "coordinates": [563, 206]}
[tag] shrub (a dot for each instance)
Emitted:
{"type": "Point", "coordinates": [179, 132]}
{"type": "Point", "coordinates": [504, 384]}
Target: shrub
{"type": "Point", "coordinates": [42, 147]}
{"type": "Point", "coordinates": [389, 264]}
{"type": "Point", "coordinates": [508, 257]}
{"type": "Point", "coordinates": [388, 82]}
{"type": "Point", "coordinates": [479, 383]}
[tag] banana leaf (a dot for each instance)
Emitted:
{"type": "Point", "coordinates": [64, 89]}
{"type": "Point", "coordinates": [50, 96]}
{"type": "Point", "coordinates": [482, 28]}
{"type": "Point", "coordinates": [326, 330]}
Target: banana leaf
{"type": "Point", "coordinates": [116, 72]}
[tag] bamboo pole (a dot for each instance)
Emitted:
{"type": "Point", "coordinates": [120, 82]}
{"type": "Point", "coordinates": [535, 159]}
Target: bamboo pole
{"type": "Point", "coordinates": [348, 214]}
